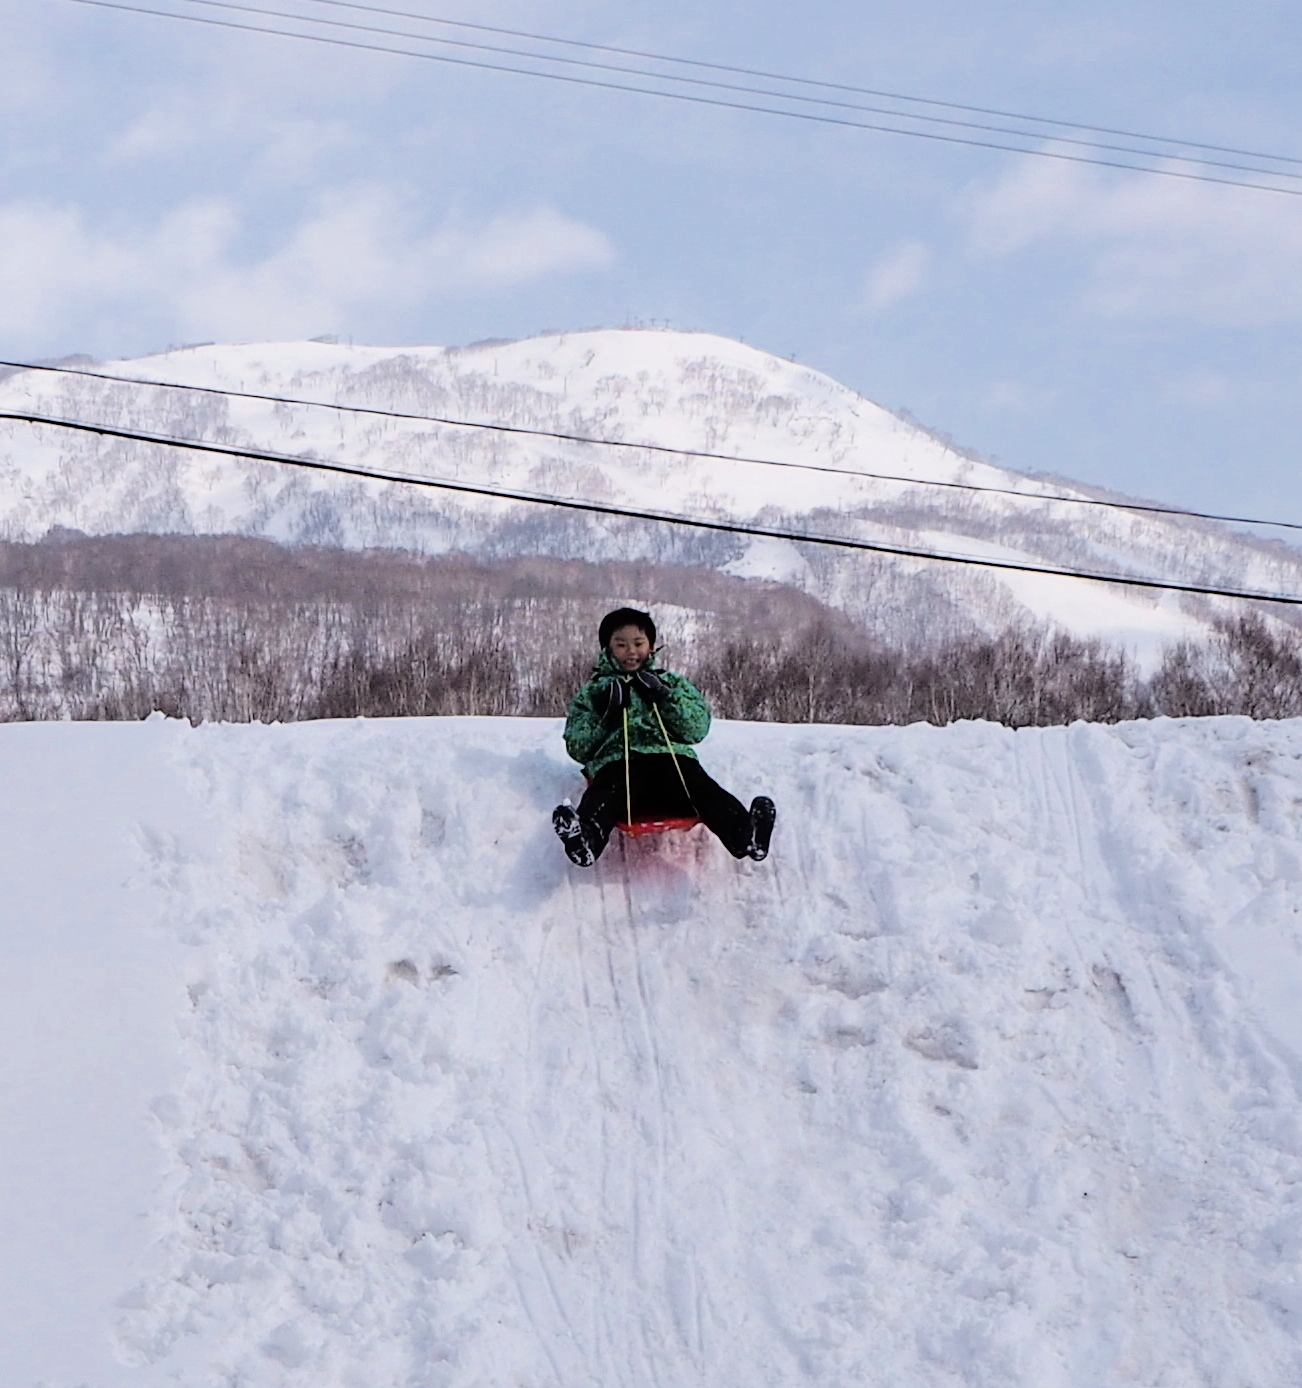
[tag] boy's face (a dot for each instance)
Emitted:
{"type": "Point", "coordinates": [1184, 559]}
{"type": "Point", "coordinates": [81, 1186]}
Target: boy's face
{"type": "Point", "coordinates": [630, 647]}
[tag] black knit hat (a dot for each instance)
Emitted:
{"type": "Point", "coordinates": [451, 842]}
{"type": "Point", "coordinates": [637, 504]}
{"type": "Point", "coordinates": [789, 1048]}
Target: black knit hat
{"type": "Point", "coordinates": [625, 617]}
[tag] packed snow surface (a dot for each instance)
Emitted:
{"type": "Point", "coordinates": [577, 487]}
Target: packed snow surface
{"type": "Point", "coordinates": [327, 1068]}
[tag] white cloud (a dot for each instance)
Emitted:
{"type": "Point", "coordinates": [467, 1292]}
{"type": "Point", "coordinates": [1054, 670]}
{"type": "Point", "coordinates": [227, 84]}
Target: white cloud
{"type": "Point", "coordinates": [1154, 247]}
{"type": "Point", "coordinates": [896, 275]}
{"type": "Point", "coordinates": [275, 144]}
{"type": "Point", "coordinates": [358, 260]}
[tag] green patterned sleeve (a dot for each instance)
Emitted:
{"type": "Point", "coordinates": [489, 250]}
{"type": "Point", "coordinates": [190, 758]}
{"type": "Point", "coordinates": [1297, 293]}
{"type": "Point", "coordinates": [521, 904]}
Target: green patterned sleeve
{"type": "Point", "coordinates": [686, 714]}
{"type": "Point", "coordinates": [585, 729]}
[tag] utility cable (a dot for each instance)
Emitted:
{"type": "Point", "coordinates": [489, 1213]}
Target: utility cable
{"type": "Point", "coordinates": [806, 81]}
{"type": "Point", "coordinates": [297, 16]}
{"type": "Point", "coordinates": [629, 513]}
{"type": "Point", "coordinates": [700, 100]}
{"type": "Point", "coordinates": [519, 429]}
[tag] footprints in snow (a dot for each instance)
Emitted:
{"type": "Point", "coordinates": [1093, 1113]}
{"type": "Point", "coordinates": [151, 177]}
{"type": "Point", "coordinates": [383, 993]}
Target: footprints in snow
{"type": "Point", "coordinates": [869, 997]}
{"type": "Point", "coordinates": [406, 971]}
{"type": "Point", "coordinates": [868, 1003]}
{"type": "Point", "coordinates": [950, 1040]}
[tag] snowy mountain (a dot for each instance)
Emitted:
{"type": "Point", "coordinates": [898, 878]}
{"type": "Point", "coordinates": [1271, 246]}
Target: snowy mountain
{"type": "Point", "coordinates": [324, 1067]}
{"type": "Point", "coordinates": [681, 390]}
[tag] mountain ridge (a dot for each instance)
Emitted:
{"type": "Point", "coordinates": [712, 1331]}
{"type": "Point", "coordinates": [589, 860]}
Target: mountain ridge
{"type": "Point", "coordinates": [695, 392]}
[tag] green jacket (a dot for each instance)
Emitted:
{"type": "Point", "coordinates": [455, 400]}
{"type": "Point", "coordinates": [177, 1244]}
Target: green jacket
{"type": "Point", "coordinates": [594, 742]}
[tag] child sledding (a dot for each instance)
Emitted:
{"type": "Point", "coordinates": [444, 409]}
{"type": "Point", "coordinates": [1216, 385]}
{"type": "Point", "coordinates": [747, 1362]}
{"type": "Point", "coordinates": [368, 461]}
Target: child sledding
{"type": "Point", "coordinates": [632, 727]}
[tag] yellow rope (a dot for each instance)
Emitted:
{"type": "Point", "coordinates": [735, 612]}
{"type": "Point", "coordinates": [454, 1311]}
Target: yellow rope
{"type": "Point", "coordinates": [664, 732]}
{"type": "Point", "coordinates": [628, 782]}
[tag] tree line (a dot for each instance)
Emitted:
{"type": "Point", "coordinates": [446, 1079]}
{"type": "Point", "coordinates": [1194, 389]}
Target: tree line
{"type": "Point", "coordinates": [71, 655]}
{"type": "Point", "coordinates": [241, 630]}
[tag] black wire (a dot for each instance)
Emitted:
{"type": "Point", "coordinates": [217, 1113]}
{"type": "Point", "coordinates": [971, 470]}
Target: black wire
{"type": "Point", "coordinates": [718, 102]}
{"type": "Point", "coordinates": [810, 82]}
{"type": "Point", "coordinates": [653, 447]}
{"type": "Point", "coordinates": [265, 12]}
{"type": "Point", "coordinates": [626, 513]}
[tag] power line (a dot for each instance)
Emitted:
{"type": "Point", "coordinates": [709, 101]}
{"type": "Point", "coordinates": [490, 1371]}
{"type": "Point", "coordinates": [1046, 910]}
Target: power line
{"type": "Point", "coordinates": [699, 100]}
{"type": "Point", "coordinates": [375, 411]}
{"type": "Point", "coordinates": [1202, 160]}
{"type": "Point", "coordinates": [807, 81]}
{"type": "Point", "coordinates": [628, 513]}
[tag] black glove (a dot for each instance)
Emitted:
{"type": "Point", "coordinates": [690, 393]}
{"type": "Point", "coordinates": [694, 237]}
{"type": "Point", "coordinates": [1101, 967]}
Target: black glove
{"type": "Point", "coordinates": [651, 687]}
{"type": "Point", "coordinates": [612, 697]}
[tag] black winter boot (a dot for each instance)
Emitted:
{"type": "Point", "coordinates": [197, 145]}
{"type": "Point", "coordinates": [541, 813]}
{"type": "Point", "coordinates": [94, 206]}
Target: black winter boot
{"type": "Point", "coordinates": [763, 812]}
{"type": "Point", "coordinates": [573, 836]}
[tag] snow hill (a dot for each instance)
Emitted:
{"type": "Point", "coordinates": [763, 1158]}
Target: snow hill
{"type": "Point", "coordinates": [324, 1067]}
{"type": "Point", "coordinates": [689, 390]}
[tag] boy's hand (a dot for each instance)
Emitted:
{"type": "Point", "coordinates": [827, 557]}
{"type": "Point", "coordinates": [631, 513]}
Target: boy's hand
{"type": "Point", "coordinates": [652, 688]}
{"type": "Point", "coordinates": [612, 697]}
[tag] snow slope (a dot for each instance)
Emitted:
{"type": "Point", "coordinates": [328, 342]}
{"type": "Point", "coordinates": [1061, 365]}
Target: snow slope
{"type": "Point", "coordinates": [88, 1019]}
{"type": "Point", "coordinates": [682, 390]}
{"type": "Point", "coordinates": [989, 1076]}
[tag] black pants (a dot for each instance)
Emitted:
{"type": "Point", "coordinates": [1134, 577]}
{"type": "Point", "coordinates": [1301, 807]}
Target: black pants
{"type": "Point", "coordinates": [657, 793]}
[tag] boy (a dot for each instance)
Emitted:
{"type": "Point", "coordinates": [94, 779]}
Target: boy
{"type": "Point", "coordinates": [631, 726]}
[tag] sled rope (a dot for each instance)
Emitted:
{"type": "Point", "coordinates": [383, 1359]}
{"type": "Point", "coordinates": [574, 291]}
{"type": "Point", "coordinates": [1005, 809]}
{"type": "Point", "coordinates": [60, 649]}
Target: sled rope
{"type": "Point", "coordinates": [628, 781]}
{"type": "Point", "coordinates": [664, 732]}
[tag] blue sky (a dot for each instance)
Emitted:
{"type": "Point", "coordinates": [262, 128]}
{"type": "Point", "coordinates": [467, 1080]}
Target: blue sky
{"type": "Point", "coordinates": [162, 183]}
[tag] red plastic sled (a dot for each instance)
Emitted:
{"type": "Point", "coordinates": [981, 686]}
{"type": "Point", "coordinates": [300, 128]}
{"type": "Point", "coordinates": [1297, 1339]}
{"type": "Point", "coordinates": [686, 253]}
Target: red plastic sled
{"type": "Point", "coordinates": [657, 826]}
{"type": "Point", "coordinates": [639, 827]}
